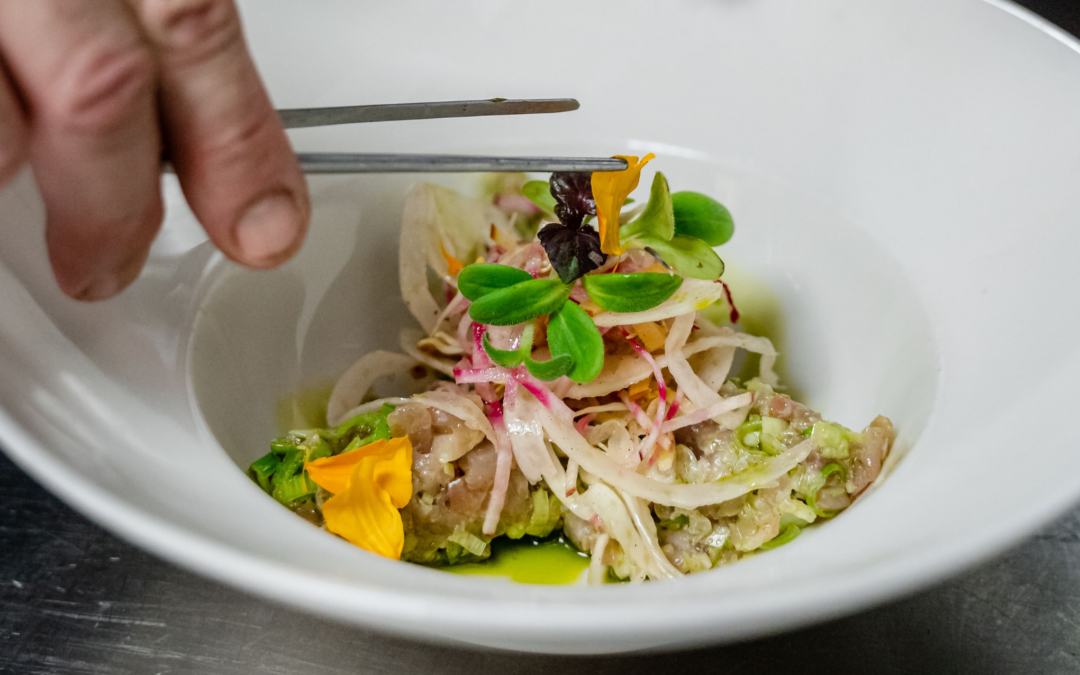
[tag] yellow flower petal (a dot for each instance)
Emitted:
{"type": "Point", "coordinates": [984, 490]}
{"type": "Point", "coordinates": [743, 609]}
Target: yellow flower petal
{"type": "Point", "coordinates": [453, 265]}
{"type": "Point", "coordinates": [365, 512]}
{"type": "Point", "coordinates": [333, 473]}
{"type": "Point", "coordinates": [639, 388]}
{"type": "Point", "coordinates": [651, 334]}
{"type": "Point", "coordinates": [610, 190]}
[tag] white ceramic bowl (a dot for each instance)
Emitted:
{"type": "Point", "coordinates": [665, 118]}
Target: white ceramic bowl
{"type": "Point", "coordinates": [903, 175]}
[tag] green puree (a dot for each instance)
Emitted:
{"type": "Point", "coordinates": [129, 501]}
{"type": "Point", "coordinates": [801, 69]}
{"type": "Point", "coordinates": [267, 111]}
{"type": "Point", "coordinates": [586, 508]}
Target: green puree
{"type": "Point", "coordinates": [552, 561]}
{"type": "Point", "coordinates": [305, 409]}
{"type": "Point", "coordinates": [760, 314]}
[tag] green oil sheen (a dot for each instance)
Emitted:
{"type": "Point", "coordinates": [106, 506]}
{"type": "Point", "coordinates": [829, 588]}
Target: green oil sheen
{"type": "Point", "coordinates": [305, 409]}
{"type": "Point", "coordinates": [760, 313]}
{"type": "Point", "coordinates": [530, 561]}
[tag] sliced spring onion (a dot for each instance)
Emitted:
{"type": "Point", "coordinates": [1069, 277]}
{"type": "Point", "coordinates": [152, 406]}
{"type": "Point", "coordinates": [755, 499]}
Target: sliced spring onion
{"type": "Point", "coordinates": [468, 541]}
{"type": "Point", "coordinates": [677, 523]}
{"type": "Point", "coordinates": [294, 489]}
{"type": "Point", "coordinates": [280, 446]}
{"type": "Point", "coordinates": [293, 462]}
{"type": "Point", "coordinates": [365, 423]}
{"type": "Point", "coordinates": [789, 532]}
{"type": "Point", "coordinates": [263, 468]}
{"type": "Point", "coordinates": [831, 440]}
{"type": "Point", "coordinates": [833, 467]}
{"type": "Point", "coordinates": [358, 442]}
{"type": "Point", "coordinates": [539, 519]}
{"type": "Point", "coordinates": [321, 449]}
{"type": "Point", "coordinates": [752, 425]}
{"type": "Point", "coordinates": [772, 429]}
{"type": "Point", "coordinates": [811, 499]}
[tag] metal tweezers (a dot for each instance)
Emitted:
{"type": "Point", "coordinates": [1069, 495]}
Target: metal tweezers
{"type": "Point", "coordinates": [336, 162]}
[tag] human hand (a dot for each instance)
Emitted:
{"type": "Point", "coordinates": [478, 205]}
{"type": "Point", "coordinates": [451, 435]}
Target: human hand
{"type": "Point", "coordinates": [91, 91]}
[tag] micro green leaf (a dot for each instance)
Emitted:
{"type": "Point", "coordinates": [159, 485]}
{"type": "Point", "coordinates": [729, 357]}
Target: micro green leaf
{"type": "Point", "coordinates": [691, 256]}
{"type": "Point", "coordinates": [479, 279]}
{"type": "Point", "coordinates": [658, 218]}
{"type": "Point", "coordinates": [702, 217]}
{"type": "Point", "coordinates": [550, 370]}
{"type": "Point", "coordinates": [631, 292]}
{"type": "Point", "coordinates": [502, 357]}
{"type": "Point", "coordinates": [539, 193]}
{"type": "Point", "coordinates": [519, 303]}
{"type": "Point", "coordinates": [572, 332]}
{"type": "Point", "coordinates": [544, 370]}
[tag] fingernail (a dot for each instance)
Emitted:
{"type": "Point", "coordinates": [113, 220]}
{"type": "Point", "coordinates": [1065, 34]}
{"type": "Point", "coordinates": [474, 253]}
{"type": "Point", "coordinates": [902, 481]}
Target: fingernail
{"type": "Point", "coordinates": [102, 289]}
{"type": "Point", "coordinates": [269, 230]}
{"type": "Point", "coordinates": [109, 286]}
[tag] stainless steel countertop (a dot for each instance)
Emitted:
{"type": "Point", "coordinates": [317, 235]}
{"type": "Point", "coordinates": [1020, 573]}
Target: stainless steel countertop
{"type": "Point", "coordinates": [76, 600]}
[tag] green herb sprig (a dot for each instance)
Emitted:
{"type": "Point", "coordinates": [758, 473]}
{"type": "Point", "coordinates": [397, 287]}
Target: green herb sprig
{"type": "Point", "coordinates": [681, 229]}
{"type": "Point", "coordinates": [506, 296]}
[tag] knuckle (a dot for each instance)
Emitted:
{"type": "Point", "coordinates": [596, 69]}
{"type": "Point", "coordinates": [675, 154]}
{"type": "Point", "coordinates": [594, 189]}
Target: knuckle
{"type": "Point", "coordinates": [194, 30]}
{"type": "Point", "coordinates": [234, 144]}
{"type": "Point", "coordinates": [103, 86]}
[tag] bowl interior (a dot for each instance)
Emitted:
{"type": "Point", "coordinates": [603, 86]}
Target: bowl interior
{"type": "Point", "coordinates": [902, 176]}
{"type": "Point", "coordinates": [854, 341]}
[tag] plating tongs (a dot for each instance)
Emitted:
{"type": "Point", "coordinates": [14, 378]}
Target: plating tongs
{"type": "Point", "coordinates": [338, 162]}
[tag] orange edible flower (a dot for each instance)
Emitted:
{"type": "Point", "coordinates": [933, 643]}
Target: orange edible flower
{"type": "Point", "coordinates": [453, 265]}
{"type": "Point", "coordinates": [610, 190]}
{"type": "Point", "coordinates": [333, 473]}
{"type": "Point", "coordinates": [639, 388]}
{"type": "Point", "coordinates": [651, 335]}
{"type": "Point", "coordinates": [370, 485]}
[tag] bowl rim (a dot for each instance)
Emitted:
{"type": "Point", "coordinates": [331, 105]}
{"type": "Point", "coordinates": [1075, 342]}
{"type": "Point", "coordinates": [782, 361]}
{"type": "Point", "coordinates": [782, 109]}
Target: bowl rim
{"type": "Point", "coordinates": [314, 593]}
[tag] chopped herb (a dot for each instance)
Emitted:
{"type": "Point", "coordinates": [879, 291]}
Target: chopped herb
{"type": "Point", "coordinates": [787, 534]}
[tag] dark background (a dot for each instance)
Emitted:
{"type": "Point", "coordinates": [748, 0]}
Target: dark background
{"type": "Point", "coordinates": [76, 600]}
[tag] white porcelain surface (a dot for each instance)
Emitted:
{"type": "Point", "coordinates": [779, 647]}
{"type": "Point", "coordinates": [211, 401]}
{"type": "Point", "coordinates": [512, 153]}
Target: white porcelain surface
{"type": "Point", "coordinates": [902, 174]}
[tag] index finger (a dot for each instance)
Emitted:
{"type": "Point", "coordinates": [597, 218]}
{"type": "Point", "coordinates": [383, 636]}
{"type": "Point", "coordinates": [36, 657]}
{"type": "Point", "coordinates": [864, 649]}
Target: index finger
{"type": "Point", "coordinates": [232, 157]}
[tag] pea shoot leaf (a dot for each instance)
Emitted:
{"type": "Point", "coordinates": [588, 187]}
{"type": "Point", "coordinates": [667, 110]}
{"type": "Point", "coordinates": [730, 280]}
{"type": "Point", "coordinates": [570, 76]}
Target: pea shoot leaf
{"type": "Point", "coordinates": [544, 370]}
{"type": "Point", "coordinates": [539, 193]}
{"type": "Point", "coordinates": [505, 358]}
{"type": "Point", "coordinates": [631, 292]}
{"type": "Point", "coordinates": [702, 217]}
{"type": "Point", "coordinates": [519, 303]}
{"type": "Point", "coordinates": [550, 370]}
{"type": "Point", "coordinates": [571, 332]}
{"type": "Point", "coordinates": [689, 255]}
{"type": "Point", "coordinates": [477, 280]}
{"type": "Point", "coordinates": [658, 219]}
